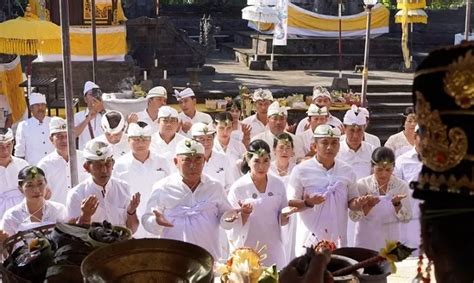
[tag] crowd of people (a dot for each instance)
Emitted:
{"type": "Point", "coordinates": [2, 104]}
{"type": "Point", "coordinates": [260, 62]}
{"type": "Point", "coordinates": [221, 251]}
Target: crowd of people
{"type": "Point", "coordinates": [219, 182]}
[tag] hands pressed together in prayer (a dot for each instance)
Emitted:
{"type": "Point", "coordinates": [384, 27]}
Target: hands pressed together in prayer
{"type": "Point", "coordinates": [132, 118]}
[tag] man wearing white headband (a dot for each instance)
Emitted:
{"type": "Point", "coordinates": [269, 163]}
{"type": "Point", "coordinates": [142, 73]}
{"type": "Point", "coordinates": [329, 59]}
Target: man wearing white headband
{"type": "Point", "coordinates": [354, 150]}
{"type": "Point", "coordinates": [114, 125]}
{"type": "Point", "coordinates": [371, 139]}
{"type": "Point", "coordinates": [141, 168]}
{"type": "Point", "coordinates": [32, 135]}
{"type": "Point", "coordinates": [317, 116]}
{"type": "Point", "coordinates": [189, 114]}
{"type": "Point", "coordinates": [322, 188]}
{"type": "Point", "coordinates": [6, 120]}
{"type": "Point", "coordinates": [9, 168]}
{"type": "Point", "coordinates": [165, 140]}
{"type": "Point", "coordinates": [189, 205]}
{"type": "Point", "coordinates": [217, 164]}
{"type": "Point", "coordinates": [102, 197]}
{"type": "Point", "coordinates": [56, 164]}
{"type": "Point", "coordinates": [322, 98]}
{"type": "Point", "coordinates": [87, 123]}
{"type": "Point", "coordinates": [277, 121]}
{"type": "Point", "coordinates": [156, 98]}
{"type": "Point", "coordinates": [262, 98]}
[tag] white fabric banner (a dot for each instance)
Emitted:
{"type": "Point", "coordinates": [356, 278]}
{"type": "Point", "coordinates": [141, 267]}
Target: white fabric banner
{"type": "Point", "coordinates": [280, 33]}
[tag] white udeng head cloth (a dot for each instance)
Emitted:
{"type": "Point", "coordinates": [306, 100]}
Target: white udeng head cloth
{"type": "Point", "coordinates": [6, 135]}
{"type": "Point", "coordinates": [57, 125]}
{"type": "Point", "coordinates": [88, 86]}
{"type": "Point", "coordinates": [262, 94]}
{"type": "Point", "coordinates": [97, 150]}
{"type": "Point", "coordinates": [157, 91]}
{"type": "Point", "coordinates": [106, 126]}
{"type": "Point", "coordinates": [134, 130]}
{"type": "Point", "coordinates": [276, 109]}
{"type": "Point", "coordinates": [315, 110]}
{"type": "Point", "coordinates": [354, 117]}
{"type": "Point", "coordinates": [326, 131]}
{"type": "Point", "coordinates": [320, 92]}
{"type": "Point", "coordinates": [202, 129]}
{"type": "Point", "coordinates": [36, 98]}
{"type": "Point", "coordinates": [167, 111]}
{"type": "Point", "coordinates": [187, 92]}
{"type": "Point", "coordinates": [189, 147]}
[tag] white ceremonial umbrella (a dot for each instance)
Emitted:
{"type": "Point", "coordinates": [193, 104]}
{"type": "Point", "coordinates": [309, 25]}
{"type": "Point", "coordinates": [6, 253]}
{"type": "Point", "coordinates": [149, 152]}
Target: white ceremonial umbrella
{"type": "Point", "coordinates": [260, 14]}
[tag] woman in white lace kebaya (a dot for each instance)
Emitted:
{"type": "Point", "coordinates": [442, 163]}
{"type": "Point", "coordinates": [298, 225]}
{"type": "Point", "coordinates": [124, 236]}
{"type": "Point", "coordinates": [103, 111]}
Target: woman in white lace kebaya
{"type": "Point", "coordinates": [34, 210]}
{"type": "Point", "coordinates": [404, 140]}
{"type": "Point", "coordinates": [382, 215]}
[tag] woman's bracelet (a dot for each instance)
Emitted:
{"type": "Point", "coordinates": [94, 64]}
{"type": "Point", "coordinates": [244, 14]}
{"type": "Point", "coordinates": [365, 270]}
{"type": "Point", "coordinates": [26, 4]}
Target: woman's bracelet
{"type": "Point", "coordinates": [134, 212]}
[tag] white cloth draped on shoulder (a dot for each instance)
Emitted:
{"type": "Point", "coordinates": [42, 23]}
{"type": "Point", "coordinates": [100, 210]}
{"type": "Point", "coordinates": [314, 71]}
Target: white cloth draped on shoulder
{"type": "Point", "coordinates": [195, 216]}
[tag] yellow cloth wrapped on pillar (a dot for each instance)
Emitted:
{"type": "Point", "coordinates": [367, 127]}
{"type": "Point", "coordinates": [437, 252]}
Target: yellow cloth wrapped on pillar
{"type": "Point", "coordinates": [10, 77]}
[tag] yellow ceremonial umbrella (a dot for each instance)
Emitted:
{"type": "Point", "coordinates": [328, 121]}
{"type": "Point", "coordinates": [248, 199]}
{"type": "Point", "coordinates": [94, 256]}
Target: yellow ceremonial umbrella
{"type": "Point", "coordinates": [417, 16]}
{"type": "Point", "coordinates": [28, 35]}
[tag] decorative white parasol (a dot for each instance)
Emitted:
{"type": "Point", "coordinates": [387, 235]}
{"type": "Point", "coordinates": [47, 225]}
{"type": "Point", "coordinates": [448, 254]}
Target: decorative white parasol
{"type": "Point", "coordinates": [260, 14]}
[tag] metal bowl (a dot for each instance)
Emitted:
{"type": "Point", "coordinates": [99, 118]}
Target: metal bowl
{"type": "Point", "coordinates": [148, 260]}
{"type": "Point", "coordinates": [377, 273]}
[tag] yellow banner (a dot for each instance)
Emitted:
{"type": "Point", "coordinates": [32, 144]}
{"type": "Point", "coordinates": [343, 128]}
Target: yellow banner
{"type": "Point", "coordinates": [10, 77]}
{"type": "Point", "coordinates": [111, 41]}
{"type": "Point", "coordinates": [304, 22]}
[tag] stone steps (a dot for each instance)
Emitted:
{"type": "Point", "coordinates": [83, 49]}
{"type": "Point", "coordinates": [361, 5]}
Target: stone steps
{"type": "Point", "coordinates": [320, 61]}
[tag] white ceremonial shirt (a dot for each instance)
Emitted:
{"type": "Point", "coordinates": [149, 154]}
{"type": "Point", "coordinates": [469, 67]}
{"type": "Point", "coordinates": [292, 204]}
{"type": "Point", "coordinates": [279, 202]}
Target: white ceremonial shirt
{"type": "Point", "coordinates": [368, 138]}
{"type": "Point", "coordinates": [113, 200]}
{"type": "Point", "coordinates": [4, 110]}
{"type": "Point", "coordinates": [143, 116]}
{"type": "Point", "coordinates": [166, 150]}
{"type": "Point", "coordinates": [382, 223]}
{"type": "Point", "coordinates": [237, 134]}
{"type": "Point", "coordinates": [398, 143]}
{"type": "Point", "coordinates": [120, 148]}
{"type": "Point", "coordinates": [95, 126]}
{"type": "Point", "coordinates": [10, 195]}
{"type": "Point", "coordinates": [218, 167]}
{"type": "Point", "coordinates": [18, 218]}
{"type": "Point", "coordinates": [257, 125]}
{"type": "Point", "coordinates": [359, 160]}
{"type": "Point", "coordinates": [198, 117]}
{"type": "Point", "coordinates": [328, 220]}
{"type": "Point", "coordinates": [268, 137]}
{"type": "Point", "coordinates": [32, 140]}
{"type": "Point", "coordinates": [58, 175]}
{"type": "Point", "coordinates": [141, 177]}
{"type": "Point", "coordinates": [332, 120]}
{"type": "Point", "coordinates": [234, 152]}
{"type": "Point", "coordinates": [306, 138]}
{"type": "Point", "coordinates": [195, 216]}
{"type": "Point", "coordinates": [408, 168]}
{"type": "Point", "coordinates": [265, 216]}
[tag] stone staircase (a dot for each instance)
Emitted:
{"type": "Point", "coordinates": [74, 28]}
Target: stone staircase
{"type": "Point", "coordinates": [317, 53]}
{"type": "Point", "coordinates": [386, 116]}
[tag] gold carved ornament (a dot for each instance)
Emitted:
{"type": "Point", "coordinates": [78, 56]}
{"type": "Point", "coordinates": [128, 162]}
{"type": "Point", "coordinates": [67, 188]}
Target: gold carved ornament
{"type": "Point", "coordinates": [440, 149]}
{"type": "Point", "coordinates": [459, 80]}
